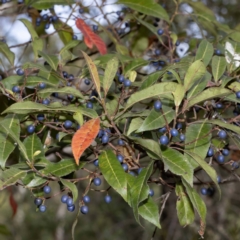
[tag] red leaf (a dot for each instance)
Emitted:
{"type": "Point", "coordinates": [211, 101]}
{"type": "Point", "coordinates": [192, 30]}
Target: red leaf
{"type": "Point", "coordinates": [91, 38]}
{"type": "Point", "coordinates": [12, 202]}
{"type": "Point", "coordinates": [83, 138]}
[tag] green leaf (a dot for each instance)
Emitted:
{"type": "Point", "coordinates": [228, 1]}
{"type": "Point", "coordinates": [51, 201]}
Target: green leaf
{"type": "Point", "coordinates": [150, 145]}
{"type": "Point", "coordinates": [6, 142]}
{"type": "Point", "coordinates": [45, 4]}
{"type": "Point", "coordinates": [140, 190]}
{"type": "Point", "coordinates": [149, 211]}
{"type": "Point", "coordinates": [157, 120]}
{"type": "Point", "coordinates": [218, 67]}
{"type": "Point", "coordinates": [194, 73]}
{"type": "Point", "coordinates": [178, 94]}
{"type": "Point", "coordinates": [65, 90]}
{"type": "Point", "coordinates": [10, 177]}
{"type": "Point", "coordinates": [151, 79]}
{"type": "Point", "coordinates": [113, 172]}
{"type": "Point", "coordinates": [62, 168]}
{"type": "Point", "coordinates": [37, 45]}
{"type": "Point", "coordinates": [5, 128]}
{"type": "Point", "coordinates": [109, 74]}
{"type": "Point", "coordinates": [204, 52]}
{"type": "Point", "coordinates": [94, 73]}
{"type": "Point", "coordinates": [30, 28]}
{"type": "Point", "coordinates": [51, 59]}
{"type": "Point", "coordinates": [185, 209]}
{"type": "Point", "coordinates": [134, 125]}
{"type": "Point", "coordinates": [35, 80]}
{"type": "Point", "coordinates": [32, 107]}
{"type": "Point", "coordinates": [72, 187]}
{"type": "Point", "coordinates": [199, 85]}
{"type": "Point", "coordinates": [78, 117]}
{"type": "Point", "coordinates": [36, 181]}
{"type": "Point", "coordinates": [198, 139]}
{"type": "Point", "coordinates": [64, 31]}
{"type": "Point", "coordinates": [206, 167]}
{"type": "Point", "coordinates": [210, 93]}
{"type": "Point", "coordinates": [164, 89]}
{"type": "Point", "coordinates": [4, 230]}
{"type": "Point", "coordinates": [69, 45]}
{"type": "Point", "coordinates": [149, 7]}
{"type": "Point", "coordinates": [4, 49]}
{"type": "Point", "coordinates": [135, 64]}
{"type": "Point", "coordinates": [177, 164]}
{"type": "Point", "coordinates": [10, 81]}
{"type": "Point", "coordinates": [33, 144]}
{"type": "Point", "coordinates": [196, 201]}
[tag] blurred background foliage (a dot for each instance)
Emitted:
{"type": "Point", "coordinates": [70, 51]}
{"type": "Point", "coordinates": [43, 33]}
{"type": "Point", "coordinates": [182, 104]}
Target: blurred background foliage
{"type": "Point", "coordinates": [115, 220]}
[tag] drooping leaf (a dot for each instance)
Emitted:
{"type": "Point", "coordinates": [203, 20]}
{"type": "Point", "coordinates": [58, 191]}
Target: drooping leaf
{"type": "Point", "coordinates": [113, 172]}
{"type": "Point", "coordinates": [91, 38]}
{"type": "Point", "coordinates": [6, 142]}
{"type": "Point", "coordinates": [72, 187]}
{"type": "Point", "coordinates": [12, 202]}
{"type": "Point", "coordinates": [204, 52]}
{"type": "Point", "coordinates": [198, 139]}
{"type": "Point", "coordinates": [62, 168]}
{"type": "Point", "coordinates": [164, 89]}
{"type": "Point", "coordinates": [134, 125]}
{"type": "Point", "coordinates": [194, 73]}
{"type": "Point", "coordinates": [109, 75]}
{"type": "Point", "coordinates": [196, 201]}
{"type": "Point", "coordinates": [4, 49]}
{"type": "Point", "coordinates": [149, 211]}
{"type": "Point", "coordinates": [84, 137]}
{"type": "Point", "coordinates": [149, 7]}
{"type": "Point", "coordinates": [185, 209]}
{"type": "Point", "coordinates": [208, 94]}
{"type": "Point", "coordinates": [94, 73]}
{"type": "Point", "coordinates": [218, 67]}
{"type": "Point", "coordinates": [140, 190]}
{"type": "Point", "coordinates": [10, 177]}
{"type": "Point", "coordinates": [51, 59]}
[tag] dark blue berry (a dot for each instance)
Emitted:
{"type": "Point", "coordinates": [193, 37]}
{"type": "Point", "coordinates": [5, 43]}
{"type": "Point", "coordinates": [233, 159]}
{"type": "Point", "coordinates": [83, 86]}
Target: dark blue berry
{"type": "Point", "coordinates": [54, 18]}
{"type": "Point", "coordinates": [162, 130]}
{"type": "Point", "coordinates": [121, 78]}
{"type": "Point", "coordinates": [40, 117]}
{"type": "Point", "coordinates": [222, 134]}
{"type": "Point", "coordinates": [225, 152]}
{"type": "Point", "coordinates": [164, 140]}
{"type": "Point", "coordinates": [95, 28]}
{"type": "Point", "coordinates": [30, 129]}
{"type": "Point", "coordinates": [235, 165]}
{"type": "Point", "coordinates": [160, 31]}
{"type": "Point", "coordinates": [100, 133]}
{"type": "Point", "coordinates": [125, 167]}
{"type": "Point", "coordinates": [71, 208]}
{"type": "Point", "coordinates": [203, 191]}
{"type": "Point", "coordinates": [182, 137]}
{"type": "Point", "coordinates": [70, 77]}
{"type": "Point", "coordinates": [127, 83]}
{"type": "Point", "coordinates": [108, 199]}
{"type": "Point", "coordinates": [45, 17]}
{"type": "Point", "coordinates": [179, 125]}
{"type": "Point", "coordinates": [65, 74]}
{"type": "Point", "coordinates": [46, 189]}
{"type": "Point", "coordinates": [69, 202]}
{"type": "Point", "coordinates": [219, 105]}
{"type": "Point", "coordinates": [139, 170]}
{"type": "Point", "coordinates": [67, 124]}
{"type": "Point", "coordinates": [120, 142]}
{"type": "Point", "coordinates": [97, 181]}
{"type": "Point", "coordinates": [105, 139]}
{"type": "Point", "coordinates": [16, 89]}
{"type": "Point", "coordinates": [42, 208]}
{"type": "Point", "coordinates": [220, 158]}
{"type": "Point", "coordinates": [89, 105]}
{"type": "Point", "coordinates": [42, 85]}
{"type": "Point", "coordinates": [84, 209]}
{"type": "Point", "coordinates": [218, 52]}
{"type": "Point", "coordinates": [20, 72]}
{"type": "Point", "coordinates": [74, 37]}
{"type": "Point", "coordinates": [133, 173]}
{"type": "Point", "coordinates": [157, 52]}
{"type": "Point", "coordinates": [38, 201]}
{"type": "Point", "coordinates": [177, 43]}
{"type": "Point", "coordinates": [219, 179]}
{"type": "Point", "coordinates": [120, 158]}
{"type": "Point", "coordinates": [86, 199]}
{"type": "Point", "coordinates": [174, 132]}
{"type": "Point", "coordinates": [64, 198]}
{"type": "Point", "coordinates": [87, 81]}
{"type": "Point", "coordinates": [238, 94]}
{"type": "Point", "coordinates": [157, 105]}
{"type": "Point", "coordinates": [210, 152]}
{"type": "Point", "coordinates": [151, 193]}
{"type": "Point", "coordinates": [96, 163]}
{"type": "Point", "coordinates": [45, 101]}
{"type": "Point", "coordinates": [81, 10]}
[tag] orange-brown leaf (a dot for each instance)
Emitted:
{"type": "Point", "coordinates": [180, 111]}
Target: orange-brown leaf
{"type": "Point", "coordinates": [83, 138]}
{"type": "Point", "coordinates": [12, 202]}
{"type": "Point", "coordinates": [91, 38]}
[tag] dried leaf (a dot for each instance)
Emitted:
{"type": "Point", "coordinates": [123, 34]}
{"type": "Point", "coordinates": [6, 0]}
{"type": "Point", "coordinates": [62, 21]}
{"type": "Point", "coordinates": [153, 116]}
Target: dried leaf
{"type": "Point", "coordinates": [12, 202]}
{"type": "Point", "coordinates": [84, 137]}
{"type": "Point", "coordinates": [91, 38]}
